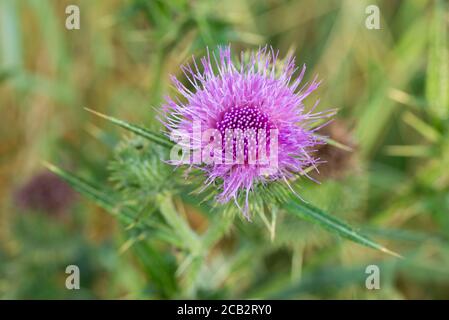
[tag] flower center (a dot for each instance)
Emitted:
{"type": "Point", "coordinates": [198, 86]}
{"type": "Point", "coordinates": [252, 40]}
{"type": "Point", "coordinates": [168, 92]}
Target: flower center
{"type": "Point", "coordinates": [241, 129]}
{"type": "Point", "coordinates": [243, 118]}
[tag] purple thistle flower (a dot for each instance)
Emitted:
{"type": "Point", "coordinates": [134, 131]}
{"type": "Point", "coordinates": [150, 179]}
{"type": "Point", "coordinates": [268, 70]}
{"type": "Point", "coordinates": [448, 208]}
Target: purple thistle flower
{"type": "Point", "coordinates": [45, 192]}
{"type": "Point", "coordinates": [259, 93]}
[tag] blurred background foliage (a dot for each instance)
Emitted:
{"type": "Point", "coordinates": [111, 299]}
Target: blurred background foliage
{"type": "Point", "coordinates": [391, 87]}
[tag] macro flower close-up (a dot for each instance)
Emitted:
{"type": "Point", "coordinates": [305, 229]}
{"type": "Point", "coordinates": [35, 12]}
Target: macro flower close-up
{"type": "Point", "coordinates": [252, 109]}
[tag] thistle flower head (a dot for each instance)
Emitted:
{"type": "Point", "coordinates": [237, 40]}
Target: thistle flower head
{"type": "Point", "coordinates": [251, 113]}
{"type": "Point", "coordinates": [45, 192]}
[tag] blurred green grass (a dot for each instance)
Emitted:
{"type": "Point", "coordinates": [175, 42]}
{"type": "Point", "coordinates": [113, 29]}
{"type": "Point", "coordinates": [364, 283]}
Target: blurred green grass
{"type": "Point", "coordinates": [390, 85]}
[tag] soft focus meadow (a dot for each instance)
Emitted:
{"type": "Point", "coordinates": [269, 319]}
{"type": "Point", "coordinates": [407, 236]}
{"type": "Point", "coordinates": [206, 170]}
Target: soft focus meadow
{"type": "Point", "coordinates": [137, 230]}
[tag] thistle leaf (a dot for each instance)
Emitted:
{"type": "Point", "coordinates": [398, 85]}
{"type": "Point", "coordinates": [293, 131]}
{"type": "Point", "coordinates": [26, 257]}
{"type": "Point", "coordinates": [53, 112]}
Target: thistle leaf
{"type": "Point", "coordinates": [126, 215]}
{"type": "Point", "coordinates": [94, 193]}
{"type": "Point", "coordinates": [140, 131]}
{"type": "Point", "coordinates": [334, 225]}
{"type": "Point", "coordinates": [178, 223]}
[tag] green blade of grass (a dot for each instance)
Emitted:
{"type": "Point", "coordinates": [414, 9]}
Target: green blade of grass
{"type": "Point", "coordinates": [145, 133]}
{"type": "Point", "coordinates": [334, 143]}
{"type": "Point", "coordinates": [408, 151]}
{"type": "Point", "coordinates": [437, 84]}
{"type": "Point", "coordinates": [426, 130]}
{"type": "Point", "coordinates": [379, 106]}
{"type": "Point", "coordinates": [11, 53]}
{"type": "Point", "coordinates": [329, 278]}
{"type": "Point", "coordinates": [334, 225]}
{"type": "Point", "coordinates": [407, 99]}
